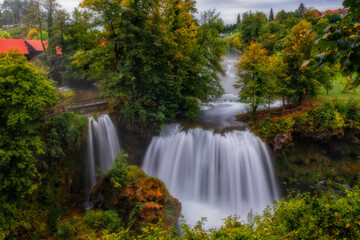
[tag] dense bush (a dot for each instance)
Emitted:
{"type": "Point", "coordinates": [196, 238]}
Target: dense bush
{"type": "Point", "coordinates": [119, 173]}
{"type": "Point", "coordinates": [35, 216]}
{"type": "Point", "coordinates": [302, 216]}
{"type": "Point", "coordinates": [350, 111]}
{"type": "Point", "coordinates": [322, 118]}
{"type": "Point", "coordinates": [268, 128]}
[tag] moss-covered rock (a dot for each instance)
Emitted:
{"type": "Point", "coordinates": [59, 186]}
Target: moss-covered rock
{"type": "Point", "coordinates": [142, 200]}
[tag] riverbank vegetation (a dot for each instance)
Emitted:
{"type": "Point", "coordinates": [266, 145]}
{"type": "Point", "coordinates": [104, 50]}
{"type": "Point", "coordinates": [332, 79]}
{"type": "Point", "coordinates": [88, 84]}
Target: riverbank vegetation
{"type": "Point", "coordinates": [303, 216]}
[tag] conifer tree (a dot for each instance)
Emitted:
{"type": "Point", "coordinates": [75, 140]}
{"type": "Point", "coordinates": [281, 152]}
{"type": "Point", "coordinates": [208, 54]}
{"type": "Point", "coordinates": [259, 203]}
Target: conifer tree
{"type": "Point", "coordinates": [301, 10]}
{"type": "Point", "coordinates": [271, 16]}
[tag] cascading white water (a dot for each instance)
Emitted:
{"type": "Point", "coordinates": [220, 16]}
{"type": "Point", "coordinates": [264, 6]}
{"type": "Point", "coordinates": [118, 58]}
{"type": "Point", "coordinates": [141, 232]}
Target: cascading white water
{"type": "Point", "coordinates": [221, 113]}
{"type": "Point", "coordinates": [102, 147]}
{"type": "Point", "coordinates": [213, 175]}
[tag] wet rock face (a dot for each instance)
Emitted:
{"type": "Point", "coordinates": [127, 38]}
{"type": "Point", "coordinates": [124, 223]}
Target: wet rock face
{"type": "Point", "coordinates": [141, 201]}
{"type": "Point", "coordinates": [281, 140]}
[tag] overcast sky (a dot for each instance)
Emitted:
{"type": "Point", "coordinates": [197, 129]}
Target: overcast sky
{"type": "Point", "coordinates": [230, 8]}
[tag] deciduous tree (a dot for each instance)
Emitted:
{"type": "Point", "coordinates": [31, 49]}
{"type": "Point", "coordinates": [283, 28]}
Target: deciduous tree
{"type": "Point", "coordinates": [251, 70]}
{"type": "Point", "coordinates": [24, 94]}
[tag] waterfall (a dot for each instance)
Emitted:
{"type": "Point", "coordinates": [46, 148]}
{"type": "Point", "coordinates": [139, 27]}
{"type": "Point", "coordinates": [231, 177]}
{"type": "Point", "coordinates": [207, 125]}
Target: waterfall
{"type": "Point", "coordinates": [102, 148]}
{"type": "Point", "coordinates": [213, 175]}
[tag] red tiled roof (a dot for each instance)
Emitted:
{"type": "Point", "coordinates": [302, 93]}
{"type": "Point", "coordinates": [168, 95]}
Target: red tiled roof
{"type": "Point", "coordinates": [339, 11]}
{"type": "Point", "coordinates": [7, 44]}
{"type": "Point", "coordinates": [37, 44]}
{"type": "Point", "coordinates": [58, 50]}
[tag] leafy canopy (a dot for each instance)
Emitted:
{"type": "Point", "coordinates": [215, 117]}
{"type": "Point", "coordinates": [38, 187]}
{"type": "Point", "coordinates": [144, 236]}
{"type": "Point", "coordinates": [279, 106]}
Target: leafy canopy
{"type": "Point", "coordinates": [24, 94]}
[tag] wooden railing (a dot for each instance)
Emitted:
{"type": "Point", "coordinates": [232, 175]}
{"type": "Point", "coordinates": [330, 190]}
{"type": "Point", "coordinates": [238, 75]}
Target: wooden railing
{"type": "Point", "coordinates": [76, 105]}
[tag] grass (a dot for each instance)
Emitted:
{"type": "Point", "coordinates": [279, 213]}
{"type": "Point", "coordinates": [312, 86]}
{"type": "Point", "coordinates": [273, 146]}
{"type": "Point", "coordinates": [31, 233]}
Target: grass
{"type": "Point", "coordinates": [335, 93]}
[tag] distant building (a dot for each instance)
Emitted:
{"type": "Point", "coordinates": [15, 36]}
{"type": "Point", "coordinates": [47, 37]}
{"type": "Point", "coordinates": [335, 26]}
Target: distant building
{"type": "Point", "coordinates": [341, 12]}
{"type": "Point", "coordinates": [7, 44]}
{"type": "Point", "coordinates": [30, 48]}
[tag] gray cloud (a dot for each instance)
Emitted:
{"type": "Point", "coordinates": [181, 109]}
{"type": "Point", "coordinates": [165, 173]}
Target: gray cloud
{"type": "Point", "coordinates": [230, 8]}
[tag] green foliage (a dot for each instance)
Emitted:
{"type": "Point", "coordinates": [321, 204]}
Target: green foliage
{"type": "Point", "coordinates": [334, 18]}
{"type": "Point", "coordinates": [118, 174]}
{"type": "Point", "coordinates": [5, 35]}
{"type": "Point", "coordinates": [269, 128]}
{"type": "Point", "coordinates": [251, 25]}
{"type": "Point", "coordinates": [271, 15]}
{"type": "Point", "coordinates": [66, 94]}
{"type": "Point", "coordinates": [323, 117]}
{"type": "Point", "coordinates": [64, 130]}
{"type": "Point", "coordinates": [24, 94]}
{"type": "Point", "coordinates": [191, 104]}
{"type": "Point", "coordinates": [136, 40]}
{"type": "Point", "coordinates": [340, 44]}
{"type": "Point", "coordinates": [98, 219]}
{"type": "Point", "coordinates": [305, 76]}
{"type": "Point", "coordinates": [44, 36]}
{"type": "Point", "coordinates": [252, 81]}
{"type": "Point", "coordinates": [350, 111]}
{"type": "Point", "coordinates": [301, 217]}
{"type": "Point", "coordinates": [65, 231]}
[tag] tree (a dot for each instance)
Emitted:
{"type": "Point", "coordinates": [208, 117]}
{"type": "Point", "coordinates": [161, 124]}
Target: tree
{"type": "Point", "coordinates": [35, 18]}
{"type": "Point", "coordinates": [272, 35]}
{"type": "Point", "coordinates": [281, 16]}
{"type": "Point", "coordinates": [271, 15]}
{"type": "Point", "coordinates": [24, 94]}
{"type": "Point", "coordinates": [334, 18]}
{"type": "Point", "coordinates": [31, 34]}
{"type": "Point", "coordinates": [238, 19]}
{"type": "Point", "coordinates": [251, 25]}
{"type": "Point", "coordinates": [301, 10]}
{"type": "Point", "coordinates": [61, 17]}
{"type": "Point", "coordinates": [340, 44]}
{"type": "Point", "coordinates": [50, 9]}
{"type": "Point", "coordinates": [137, 39]}
{"type": "Point", "coordinates": [251, 70]}
{"type": "Point", "coordinates": [277, 80]}
{"type": "Point", "coordinates": [5, 35]}
{"type": "Point", "coordinates": [17, 8]}
{"type": "Point", "coordinates": [311, 15]}
{"type": "Point", "coordinates": [305, 76]}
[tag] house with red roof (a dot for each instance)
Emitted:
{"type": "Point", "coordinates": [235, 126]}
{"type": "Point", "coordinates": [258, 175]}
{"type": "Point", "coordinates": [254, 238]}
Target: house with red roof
{"type": "Point", "coordinates": [30, 48]}
{"type": "Point", "coordinates": [7, 44]}
{"type": "Point", "coordinates": [341, 12]}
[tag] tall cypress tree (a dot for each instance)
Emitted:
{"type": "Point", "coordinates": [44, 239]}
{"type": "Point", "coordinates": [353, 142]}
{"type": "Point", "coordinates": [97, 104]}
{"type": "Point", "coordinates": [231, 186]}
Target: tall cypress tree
{"type": "Point", "coordinates": [301, 9]}
{"type": "Point", "coordinates": [271, 16]}
{"type": "Point", "coordinates": [238, 20]}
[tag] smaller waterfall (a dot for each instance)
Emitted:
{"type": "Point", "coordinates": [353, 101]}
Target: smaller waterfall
{"type": "Point", "coordinates": [213, 175]}
{"type": "Point", "coordinates": [102, 147]}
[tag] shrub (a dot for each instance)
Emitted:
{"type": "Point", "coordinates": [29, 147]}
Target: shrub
{"type": "Point", "coordinates": [118, 174]}
{"type": "Point", "coordinates": [349, 111]}
{"type": "Point", "coordinates": [269, 128]}
{"type": "Point", "coordinates": [95, 219]}
{"type": "Point", "coordinates": [65, 231]}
